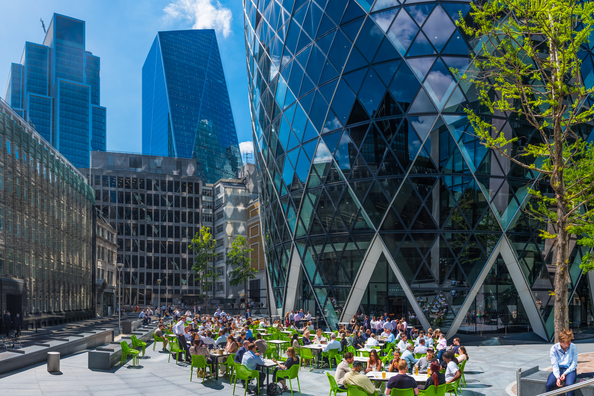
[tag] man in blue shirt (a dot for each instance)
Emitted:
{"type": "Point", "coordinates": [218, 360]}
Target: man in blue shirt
{"type": "Point", "coordinates": [389, 336]}
{"type": "Point", "coordinates": [333, 344]}
{"type": "Point", "coordinates": [564, 357]}
{"type": "Point", "coordinates": [409, 357]}
{"type": "Point", "coordinates": [251, 359]}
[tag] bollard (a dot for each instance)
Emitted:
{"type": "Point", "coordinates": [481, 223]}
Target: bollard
{"type": "Point", "coordinates": [53, 362]}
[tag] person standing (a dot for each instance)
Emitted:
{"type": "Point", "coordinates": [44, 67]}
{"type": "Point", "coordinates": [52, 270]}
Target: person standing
{"type": "Point", "coordinates": [564, 359]}
{"type": "Point", "coordinates": [7, 321]}
{"type": "Point", "coordinates": [17, 325]}
{"type": "Point", "coordinates": [248, 314]}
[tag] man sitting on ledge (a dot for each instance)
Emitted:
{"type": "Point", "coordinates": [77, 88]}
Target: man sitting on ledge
{"type": "Point", "coordinates": [564, 358]}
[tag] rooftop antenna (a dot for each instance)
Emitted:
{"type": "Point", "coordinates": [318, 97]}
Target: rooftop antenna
{"type": "Point", "coordinates": [43, 26]}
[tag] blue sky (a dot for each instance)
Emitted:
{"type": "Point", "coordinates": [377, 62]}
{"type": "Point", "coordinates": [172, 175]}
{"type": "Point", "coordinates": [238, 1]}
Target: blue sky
{"type": "Point", "coordinates": [121, 33]}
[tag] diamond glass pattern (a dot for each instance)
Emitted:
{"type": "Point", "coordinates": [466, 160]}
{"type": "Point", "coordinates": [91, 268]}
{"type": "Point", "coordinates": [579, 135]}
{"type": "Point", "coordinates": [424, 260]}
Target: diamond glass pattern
{"type": "Point", "coordinates": [388, 155]}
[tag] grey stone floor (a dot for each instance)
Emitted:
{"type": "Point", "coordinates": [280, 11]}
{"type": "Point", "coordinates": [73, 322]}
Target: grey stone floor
{"type": "Point", "coordinates": [490, 370]}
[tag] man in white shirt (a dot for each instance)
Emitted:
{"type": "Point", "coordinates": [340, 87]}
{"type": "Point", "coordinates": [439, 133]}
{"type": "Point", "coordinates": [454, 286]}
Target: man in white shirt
{"type": "Point", "coordinates": [402, 345]}
{"type": "Point", "coordinates": [371, 341]}
{"type": "Point", "coordinates": [421, 348]}
{"type": "Point", "coordinates": [178, 330]}
{"type": "Point", "coordinates": [388, 325]}
{"type": "Point", "coordinates": [308, 316]}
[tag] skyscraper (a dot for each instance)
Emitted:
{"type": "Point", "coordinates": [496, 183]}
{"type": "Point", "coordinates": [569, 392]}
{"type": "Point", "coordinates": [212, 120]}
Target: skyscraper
{"type": "Point", "coordinates": [56, 88]}
{"type": "Point", "coordinates": [376, 195]}
{"type": "Point", "coordinates": [186, 111]}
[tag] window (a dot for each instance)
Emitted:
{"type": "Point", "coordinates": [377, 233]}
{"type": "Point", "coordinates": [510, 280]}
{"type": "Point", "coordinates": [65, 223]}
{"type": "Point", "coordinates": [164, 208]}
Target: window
{"type": "Point", "coordinates": [218, 203]}
{"type": "Point", "coordinates": [219, 229]}
{"type": "Point", "coordinates": [9, 182]}
{"type": "Point", "coordinates": [1, 177]}
{"type": "Point", "coordinates": [207, 218]}
{"type": "Point", "coordinates": [219, 215]}
{"type": "Point", "coordinates": [254, 231]}
{"type": "Point", "coordinates": [8, 146]}
{"type": "Point", "coordinates": [110, 161]}
{"type": "Point", "coordinates": [135, 164]}
{"type": "Point", "coordinates": [9, 222]}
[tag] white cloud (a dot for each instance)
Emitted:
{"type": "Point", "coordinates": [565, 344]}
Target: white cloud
{"type": "Point", "coordinates": [203, 14]}
{"type": "Point", "coordinates": [247, 148]}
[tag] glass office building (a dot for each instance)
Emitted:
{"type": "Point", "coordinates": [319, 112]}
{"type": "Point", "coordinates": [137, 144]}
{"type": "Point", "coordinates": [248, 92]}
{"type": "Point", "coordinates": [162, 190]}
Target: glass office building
{"type": "Point", "coordinates": [56, 88]}
{"type": "Point", "coordinates": [376, 197]}
{"type": "Point", "coordinates": [186, 111]}
{"type": "Point", "coordinates": [46, 229]}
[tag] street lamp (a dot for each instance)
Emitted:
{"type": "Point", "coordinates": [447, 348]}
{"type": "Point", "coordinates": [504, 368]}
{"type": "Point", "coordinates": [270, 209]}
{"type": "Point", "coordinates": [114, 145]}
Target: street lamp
{"type": "Point", "coordinates": [119, 266]}
{"type": "Point", "coordinates": [159, 301]}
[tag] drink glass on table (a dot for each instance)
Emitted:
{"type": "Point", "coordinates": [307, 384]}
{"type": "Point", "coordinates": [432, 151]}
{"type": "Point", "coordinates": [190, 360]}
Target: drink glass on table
{"type": "Point", "coordinates": [383, 374]}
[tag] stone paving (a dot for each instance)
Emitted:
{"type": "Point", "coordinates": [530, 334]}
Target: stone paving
{"type": "Point", "coordinates": [490, 371]}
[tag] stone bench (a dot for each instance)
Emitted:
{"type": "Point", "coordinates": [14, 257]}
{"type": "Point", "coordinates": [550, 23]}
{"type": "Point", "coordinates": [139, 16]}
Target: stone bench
{"type": "Point", "coordinates": [532, 382]}
{"type": "Point", "coordinates": [107, 356]}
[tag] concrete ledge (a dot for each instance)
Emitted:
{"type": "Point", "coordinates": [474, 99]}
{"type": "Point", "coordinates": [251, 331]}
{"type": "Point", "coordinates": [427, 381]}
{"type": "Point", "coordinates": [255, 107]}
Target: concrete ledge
{"type": "Point", "coordinates": [533, 382]}
{"type": "Point", "coordinates": [107, 356]}
{"type": "Point", "coordinates": [36, 354]}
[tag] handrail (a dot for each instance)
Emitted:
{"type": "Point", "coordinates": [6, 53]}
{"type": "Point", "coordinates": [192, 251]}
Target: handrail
{"type": "Point", "coordinates": [565, 389]}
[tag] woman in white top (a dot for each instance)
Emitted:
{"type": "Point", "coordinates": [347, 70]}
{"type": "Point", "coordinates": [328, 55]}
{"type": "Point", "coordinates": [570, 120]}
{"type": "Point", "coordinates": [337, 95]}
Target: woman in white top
{"type": "Point", "coordinates": [452, 371]}
{"type": "Point", "coordinates": [319, 337]}
{"type": "Point", "coordinates": [462, 354]}
{"type": "Point", "coordinates": [371, 341]}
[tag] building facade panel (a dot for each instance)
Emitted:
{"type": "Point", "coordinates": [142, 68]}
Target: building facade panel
{"type": "Point", "coordinates": [361, 137]}
{"type": "Point", "coordinates": [46, 229]}
{"type": "Point", "coordinates": [154, 204]}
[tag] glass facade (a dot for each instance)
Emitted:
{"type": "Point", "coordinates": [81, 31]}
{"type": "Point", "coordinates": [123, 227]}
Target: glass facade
{"type": "Point", "coordinates": [46, 229]}
{"type": "Point", "coordinates": [376, 195]}
{"type": "Point", "coordinates": [186, 111]}
{"type": "Point", "coordinates": [56, 88]}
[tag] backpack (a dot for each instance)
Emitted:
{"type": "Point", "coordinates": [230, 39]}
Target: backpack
{"type": "Point", "coordinates": [273, 390]}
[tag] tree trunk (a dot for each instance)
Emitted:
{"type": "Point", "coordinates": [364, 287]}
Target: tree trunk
{"type": "Point", "coordinates": [561, 280]}
{"type": "Point", "coordinates": [245, 290]}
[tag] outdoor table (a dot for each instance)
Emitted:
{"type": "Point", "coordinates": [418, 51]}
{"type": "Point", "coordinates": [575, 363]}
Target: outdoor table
{"type": "Point", "coordinates": [377, 376]}
{"type": "Point", "coordinates": [261, 330]}
{"type": "Point", "coordinates": [278, 344]}
{"type": "Point", "coordinates": [215, 356]}
{"type": "Point", "coordinates": [268, 364]}
{"type": "Point", "coordinates": [287, 332]}
{"type": "Point", "coordinates": [362, 359]}
{"type": "Point", "coordinates": [315, 347]}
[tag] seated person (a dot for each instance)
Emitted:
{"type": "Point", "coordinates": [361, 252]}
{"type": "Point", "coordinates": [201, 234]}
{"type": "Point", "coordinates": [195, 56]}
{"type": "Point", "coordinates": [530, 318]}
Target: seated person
{"type": "Point", "coordinates": [402, 380]}
{"type": "Point", "coordinates": [374, 363]}
{"type": "Point", "coordinates": [387, 334]}
{"type": "Point", "coordinates": [319, 337]}
{"type": "Point", "coordinates": [241, 351]}
{"type": "Point", "coordinates": [395, 361]}
{"type": "Point", "coordinates": [436, 377]}
{"type": "Point", "coordinates": [291, 360]}
{"type": "Point", "coordinates": [251, 359]}
{"type": "Point", "coordinates": [409, 357]}
{"type": "Point", "coordinates": [421, 348]}
{"type": "Point", "coordinates": [358, 341]}
{"type": "Point", "coordinates": [455, 345]}
{"type": "Point", "coordinates": [343, 368]}
{"type": "Point", "coordinates": [452, 371]}
{"type": "Point", "coordinates": [196, 349]}
{"type": "Point", "coordinates": [261, 344]}
{"type": "Point", "coordinates": [424, 362]}
{"type": "Point", "coordinates": [402, 345]}
{"type": "Point", "coordinates": [355, 378]}
{"type": "Point", "coordinates": [333, 344]}
{"type": "Point", "coordinates": [306, 339]}
{"type": "Point", "coordinates": [344, 342]}
{"type": "Point", "coordinates": [208, 340]}
{"type": "Point", "coordinates": [462, 354]}
{"type": "Point", "coordinates": [367, 334]}
{"type": "Point", "coordinates": [159, 333]}
{"type": "Point", "coordinates": [564, 359]}
{"type": "Point", "coordinates": [371, 341]}
{"type": "Point", "coordinates": [231, 347]}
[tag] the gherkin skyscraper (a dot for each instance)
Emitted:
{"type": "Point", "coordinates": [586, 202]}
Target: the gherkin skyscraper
{"type": "Point", "coordinates": [376, 195]}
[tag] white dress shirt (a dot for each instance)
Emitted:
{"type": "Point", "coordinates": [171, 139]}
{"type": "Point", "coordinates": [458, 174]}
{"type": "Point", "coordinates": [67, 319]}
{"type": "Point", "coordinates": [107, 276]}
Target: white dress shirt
{"type": "Point", "coordinates": [178, 328]}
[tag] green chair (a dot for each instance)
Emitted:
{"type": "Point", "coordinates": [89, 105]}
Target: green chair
{"type": "Point", "coordinates": [461, 367]}
{"type": "Point", "coordinates": [137, 343]}
{"type": "Point", "coordinates": [402, 392]}
{"type": "Point", "coordinates": [435, 390]}
{"type": "Point", "coordinates": [229, 364]}
{"type": "Point", "coordinates": [363, 353]}
{"type": "Point", "coordinates": [357, 391]}
{"type": "Point", "coordinates": [177, 350]}
{"type": "Point", "coordinates": [242, 372]}
{"type": "Point", "coordinates": [156, 339]}
{"type": "Point", "coordinates": [199, 361]}
{"type": "Point", "coordinates": [126, 350]}
{"type": "Point", "coordinates": [331, 354]}
{"type": "Point", "coordinates": [289, 374]}
{"type": "Point", "coordinates": [419, 355]}
{"type": "Point", "coordinates": [307, 354]}
{"type": "Point", "coordinates": [333, 385]}
{"type": "Point", "coordinates": [453, 386]}
{"type": "Point", "coordinates": [352, 350]}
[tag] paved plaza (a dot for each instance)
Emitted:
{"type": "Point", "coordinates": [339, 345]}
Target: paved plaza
{"type": "Point", "coordinates": [489, 372]}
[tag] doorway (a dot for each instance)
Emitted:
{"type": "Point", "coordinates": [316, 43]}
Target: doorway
{"type": "Point", "coordinates": [14, 304]}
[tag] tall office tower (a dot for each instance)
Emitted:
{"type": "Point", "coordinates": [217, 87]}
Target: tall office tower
{"type": "Point", "coordinates": [156, 205]}
{"type": "Point", "coordinates": [56, 88]}
{"type": "Point", "coordinates": [46, 229]}
{"type": "Point", "coordinates": [186, 111]}
{"type": "Point", "coordinates": [376, 196]}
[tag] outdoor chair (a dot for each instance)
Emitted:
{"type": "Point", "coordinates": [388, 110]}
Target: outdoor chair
{"type": "Point", "coordinates": [307, 354]}
{"type": "Point", "coordinates": [229, 364]}
{"type": "Point", "coordinates": [126, 350]}
{"type": "Point", "coordinates": [434, 390]}
{"type": "Point", "coordinates": [331, 354]}
{"type": "Point", "coordinates": [289, 374]}
{"type": "Point", "coordinates": [177, 350]}
{"type": "Point", "coordinates": [199, 361]}
{"type": "Point", "coordinates": [156, 339]}
{"type": "Point", "coordinates": [334, 385]}
{"type": "Point", "coordinates": [402, 392]}
{"type": "Point", "coordinates": [137, 343]}
{"type": "Point", "coordinates": [243, 373]}
{"type": "Point", "coordinates": [357, 391]}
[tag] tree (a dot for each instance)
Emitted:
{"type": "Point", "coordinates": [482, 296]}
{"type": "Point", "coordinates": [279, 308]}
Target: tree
{"type": "Point", "coordinates": [527, 67]}
{"type": "Point", "coordinates": [239, 257]}
{"type": "Point", "coordinates": [204, 246]}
